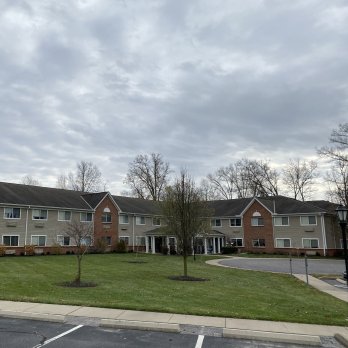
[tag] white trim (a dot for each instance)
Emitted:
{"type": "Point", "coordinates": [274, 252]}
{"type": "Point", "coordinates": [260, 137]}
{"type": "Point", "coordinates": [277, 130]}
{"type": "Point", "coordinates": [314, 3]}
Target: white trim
{"type": "Point", "coordinates": [213, 220]}
{"type": "Point", "coordinates": [323, 233]}
{"type": "Point", "coordinates": [155, 218]}
{"type": "Point", "coordinates": [38, 235]}
{"type": "Point", "coordinates": [240, 246]}
{"type": "Point", "coordinates": [20, 213]}
{"type": "Point", "coordinates": [86, 217]}
{"type": "Point", "coordinates": [284, 247]}
{"type": "Point", "coordinates": [32, 214]}
{"type": "Point", "coordinates": [281, 217]}
{"type": "Point", "coordinates": [10, 235]}
{"type": "Point", "coordinates": [310, 239]}
{"type": "Point", "coordinates": [119, 220]}
{"type": "Point", "coordinates": [316, 220]}
{"type": "Point", "coordinates": [65, 211]}
{"type": "Point", "coordinates": [63, 235]}
{"type": "Point", "coordinates": [236, 226]}
{"type": "Point", "coordinates": [140, 216]}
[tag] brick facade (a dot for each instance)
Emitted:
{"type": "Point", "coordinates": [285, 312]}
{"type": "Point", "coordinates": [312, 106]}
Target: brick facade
{"type": "Point", "coordinates": [103, 230]}
{"type": "Point", "coordinates": [258, 232]}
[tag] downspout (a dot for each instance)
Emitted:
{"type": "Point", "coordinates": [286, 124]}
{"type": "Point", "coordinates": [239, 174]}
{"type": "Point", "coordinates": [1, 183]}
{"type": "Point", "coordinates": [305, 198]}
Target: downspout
{"type": "Point", "coordinates": [26, 230]}
{"type": "Point", "coordinates": [323, 233]}
{"type": "Point", "coordinates": [133, 232]}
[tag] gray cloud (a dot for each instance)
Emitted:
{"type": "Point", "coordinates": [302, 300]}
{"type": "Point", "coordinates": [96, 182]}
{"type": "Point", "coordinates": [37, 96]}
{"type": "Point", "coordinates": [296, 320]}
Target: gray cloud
{"type": "Point", "coordinates": [202, 82]}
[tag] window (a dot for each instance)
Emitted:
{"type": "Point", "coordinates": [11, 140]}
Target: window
{"type": "Point", "coordinates": [283, 243]}
{"type": "Point", "coordinates": [281, 221]}
{"type": "Point", "coordinates": [106, 217]}
{"type": "Point", "coordinates": [237, 242]}
{"type": "Point", "coordinates": [64, 215]}
{"type": "Point", "coordinates": [63, 240]}
{"type": "Point", "coordinates": [310, 243]}
{"type": "Point", "coordinates": [341, 241]}
{"type": "Point", "coordinates": [87, 241]}
{"type": "Point", "coordinates": [259, 243]}
{"type": "Point", "coordinates": [10, 240]}
{"type": "Point", "coordinates": [235, 222]}
{"type": "Point", "coordinates": [257, 221]}
{"type": "Point", "coordinates": [308, 220]}
{"type": "Point", "coordinates": [86, 217]}
{"type": "Point", "coordinates": [216, 222]}
{"type": "Point", "coordinates": [38, 240]}
{"type": "Point", "coordinates": [107, 240]}
{"type": "Point", "coordinates": [12, 213]}
{"type": "Point", "coordinates": [156, 221]}
{"type": "Point", "coordinates": [124, 219]}
{"type": "Point", "coordinates": [125, 239]}
{"type": "Point", "coordinates": [140, 241]}
{"type": "Point", "coordinates": [39, 214]}
{"type": "Point", "coordinates": [140, 220]}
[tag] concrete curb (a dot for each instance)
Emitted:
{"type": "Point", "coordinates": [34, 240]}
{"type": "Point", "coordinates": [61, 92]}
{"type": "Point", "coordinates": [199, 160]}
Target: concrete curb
{"type": "Point", "coordinates": [140, 325]}
{"type": "Point", "coordinates": [33, 316]}
{"type": "Point", "coordinates": [342, 339]}
{"type": "Point", "coordinates": [272, 336]}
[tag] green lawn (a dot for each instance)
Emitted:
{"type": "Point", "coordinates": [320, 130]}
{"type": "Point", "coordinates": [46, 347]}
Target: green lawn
{"type": "Point", "coordinates": [145, 286]}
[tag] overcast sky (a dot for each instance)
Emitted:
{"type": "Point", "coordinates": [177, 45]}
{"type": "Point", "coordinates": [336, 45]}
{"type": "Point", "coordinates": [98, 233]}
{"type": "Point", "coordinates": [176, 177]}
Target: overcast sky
{"type": "Point", "coordinates": [204, 83]}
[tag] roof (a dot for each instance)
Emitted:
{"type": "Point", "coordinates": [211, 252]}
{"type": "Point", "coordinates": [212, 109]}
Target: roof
{"type": "Point", "coordinates": [93, 199]}
{"type": "Point", "coordinates": [137, 205]}
{"type": "Point", "coordinates": [326, 205]}
{"type": "Point", "coordinates": [229, 207]}
{"type": "Point", "coordinates": [286, 205]}
{"type": "Point", "coordinates": [41, 196]}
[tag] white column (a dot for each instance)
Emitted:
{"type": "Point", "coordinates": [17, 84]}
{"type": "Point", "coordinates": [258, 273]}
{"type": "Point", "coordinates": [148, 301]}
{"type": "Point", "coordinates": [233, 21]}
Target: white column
{"type": "Point", "coordinates": [192, 246]}
{"type": "Point", "coordinates": [147, 244]}
{"type": "Point", "coordinates": [214, 246]}
{"type": "Point", "coordinates": [168, 246]}
{"type": "Point", "coordinates": [153, 245]}
{"type": "Point", "coordinates": [219, 242]}
{"type": "Point", "coordinates": [205, 246]}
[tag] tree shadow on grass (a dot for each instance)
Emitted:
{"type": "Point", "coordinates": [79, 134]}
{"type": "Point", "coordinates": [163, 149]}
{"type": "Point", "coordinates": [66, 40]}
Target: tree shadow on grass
{"type": "Point", "coordinates": [75, 284]}
{"type": "Point", "coordinates": [187, 278]}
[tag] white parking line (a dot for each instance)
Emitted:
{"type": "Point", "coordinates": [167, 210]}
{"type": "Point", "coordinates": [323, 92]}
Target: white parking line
{"type": "Point", "coordinates": [59, 336]}
{"type": "Point", "coordinates": [199, 341]}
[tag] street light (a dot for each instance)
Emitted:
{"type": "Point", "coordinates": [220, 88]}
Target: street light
{"type": "Point", "coordinates": [342, 217]}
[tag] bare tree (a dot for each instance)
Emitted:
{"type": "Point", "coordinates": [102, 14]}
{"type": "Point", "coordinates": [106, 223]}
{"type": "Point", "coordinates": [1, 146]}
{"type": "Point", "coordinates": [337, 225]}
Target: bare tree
{"type": "Point", "coordinates": [337, 179]}
{"type": "Point", "coordinates": [299, 177]}
{"type": "Point", "coordinates": [187, 213]}
{"type": "Point", "coordinates": [29, 180]}
{"type": "Point", "coordinates": [338, 155]}
{"type": "Point", "coordinates": [208, 191]}
{"type": "Point", "coordinates": [86, 178]}
{"type": "Point", "coordinates": [245, 178]}
{"type": "Point", "coordinates": [81, 234]}
{"type": "Point", "coordinates": [147, 176]}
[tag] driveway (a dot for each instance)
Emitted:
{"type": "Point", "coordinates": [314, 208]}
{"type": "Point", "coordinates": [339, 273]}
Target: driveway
{"type": "Point", "coordinates": [282, 265]}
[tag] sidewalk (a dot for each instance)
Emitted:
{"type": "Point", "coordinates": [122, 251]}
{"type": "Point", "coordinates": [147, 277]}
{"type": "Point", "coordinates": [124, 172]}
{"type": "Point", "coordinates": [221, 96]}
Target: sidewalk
{"type": "Point", "coordinates": [116, 318]}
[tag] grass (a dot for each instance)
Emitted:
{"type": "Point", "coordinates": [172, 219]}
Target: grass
{"type": "Point", "coordinates": [145, 286]}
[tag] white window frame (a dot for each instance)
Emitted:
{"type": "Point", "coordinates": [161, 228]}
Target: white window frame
{"type": "Point", "coordinates": [239, 246]}
{"type": "Point", "coordinates": [106, 214]}
{"type": "Point", "coordinates": [213, 222]}
{"type": "Point", "coordinates": [38, 235]}
{"type": "Point", "coordinates": [11, 235]}
{"type": "Point", "coordinates": [126, 239]}
{"type": "Point", "coordinates": [281, 224]}
{"type": "Point", "coordinates": [86, 217]}
{"type": "Point", "coordinates": [303, 239]}
{"type": "Point", "coordinates": [154, 221]}
{"type": "Point", "coordinates": [307, 216]}
{"type": "Point", "coordinates": [137, 238]}
{"type": "Point", "coordinates": [283, 247]}
{"type": "Point", "coordinates": [83, 240]}
{"type": "Point", "coordinates": [258, 218]}
{"type": "Point", "coordinates": [121, 219]}
{"type": "Point", "coordinates": [139, 218]}
{"type": "Point", "coordinates": [61, 242]}
{"type": "Point", "coordinates": [235, 219]}
{"type": "Point", "coordinates": [40, 210]}
{"type": "Point", "coordinates": [259, 246]}
{"type": "Point", "coordinates": [12, 218]}
{"type": "Point", "coordinates": [65, 211]}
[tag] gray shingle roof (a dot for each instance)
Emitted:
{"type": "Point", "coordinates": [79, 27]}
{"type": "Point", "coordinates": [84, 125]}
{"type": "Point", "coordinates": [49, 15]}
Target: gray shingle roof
{"type": "Point", "coordinates": [326, 205]}
{"type": "Point", "coordinates": [229, 207]}
{"type": "Point", "coordinates": [137, 205]}
{"type": "Point", "coordinates": [93, 199]}
{"type": "Point", "coordinates": [41, 196]}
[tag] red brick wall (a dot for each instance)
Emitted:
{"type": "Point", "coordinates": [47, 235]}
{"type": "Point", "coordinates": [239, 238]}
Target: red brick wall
{"type": "Point", "coordinates": [106, 229]}
{"type": "Point", "coordinates": [258, 232]}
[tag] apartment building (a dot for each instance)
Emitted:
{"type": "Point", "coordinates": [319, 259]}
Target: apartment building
{"type": "Point", "coordinates": [32, 215]}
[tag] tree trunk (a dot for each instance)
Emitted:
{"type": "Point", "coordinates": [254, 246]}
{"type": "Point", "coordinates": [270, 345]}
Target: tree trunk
{"type": "Point", "coordinates": [78, 275]}
{"type": "Point", "coordinates": [185, 264]}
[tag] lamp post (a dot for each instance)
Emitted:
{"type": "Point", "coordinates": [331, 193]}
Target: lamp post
{"type": "Point", "coordinates": [342, 217]}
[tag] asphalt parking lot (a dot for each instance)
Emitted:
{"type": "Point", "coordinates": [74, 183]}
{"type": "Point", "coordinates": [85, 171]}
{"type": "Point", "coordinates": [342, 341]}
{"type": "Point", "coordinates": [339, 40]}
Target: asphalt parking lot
{"type": "Point", "coordinates": [35, 334]}
{"type": "Point", "coordinates": [282, 265]}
